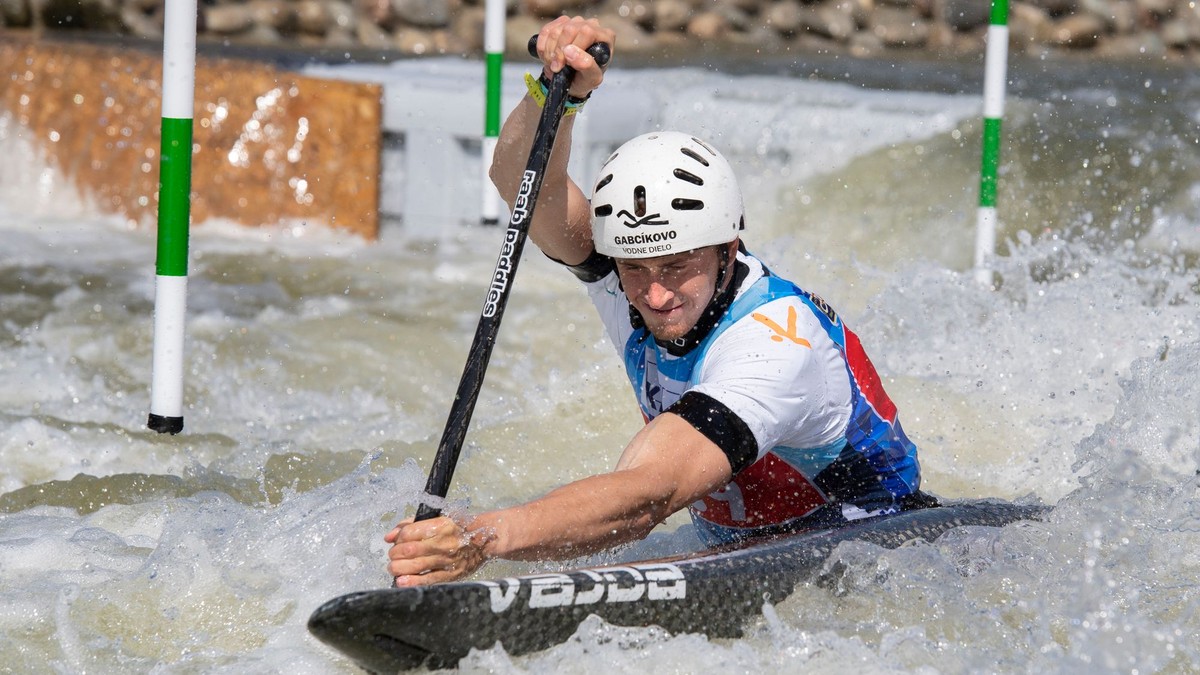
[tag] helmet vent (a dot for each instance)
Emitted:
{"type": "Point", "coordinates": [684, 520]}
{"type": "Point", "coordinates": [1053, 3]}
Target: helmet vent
{"type": "Point", "coordinates": [639, 201]}
{"type": "Point", "coordinates": [692, 153]}
{"type": "Point", "coordinates": [680, 204]}
{"type": "Point", "coordinates": [706, 146]}
{"type": "Point", "coordinates": [603, 181]}
{"type": "Point", "coordinates": [689, 177]}
{"type": "Point", "coordinates": [603, 210]}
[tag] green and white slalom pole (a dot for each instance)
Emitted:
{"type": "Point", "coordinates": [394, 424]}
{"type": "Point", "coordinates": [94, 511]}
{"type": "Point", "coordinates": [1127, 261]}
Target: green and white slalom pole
{"type": "Point", "coordinates": [995, 76]}
{"type": "Point", "coordinates": [493, 46]}
{"type": "Point", "coordinates": [174, 211]}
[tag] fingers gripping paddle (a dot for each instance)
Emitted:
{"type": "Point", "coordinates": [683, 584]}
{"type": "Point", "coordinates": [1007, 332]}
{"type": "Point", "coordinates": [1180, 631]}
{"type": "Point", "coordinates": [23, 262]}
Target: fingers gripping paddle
{"type": "Point", "coordinates": [497, 294]}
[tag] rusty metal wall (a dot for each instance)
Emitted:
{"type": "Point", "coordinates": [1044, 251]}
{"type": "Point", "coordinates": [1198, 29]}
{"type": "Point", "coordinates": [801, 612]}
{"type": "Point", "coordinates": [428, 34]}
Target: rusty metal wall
{"type": "Point", "coordinates": [270, 145]}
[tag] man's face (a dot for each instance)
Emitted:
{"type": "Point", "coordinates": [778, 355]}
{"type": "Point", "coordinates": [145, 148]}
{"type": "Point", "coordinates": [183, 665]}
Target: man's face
{"type": "Point", "coordinates": [671, 291]}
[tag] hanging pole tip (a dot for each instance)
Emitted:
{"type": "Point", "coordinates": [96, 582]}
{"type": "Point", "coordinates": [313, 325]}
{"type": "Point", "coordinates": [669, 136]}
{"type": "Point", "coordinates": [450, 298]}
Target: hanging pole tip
{"type": "Point", "coordinates": [165, 425]}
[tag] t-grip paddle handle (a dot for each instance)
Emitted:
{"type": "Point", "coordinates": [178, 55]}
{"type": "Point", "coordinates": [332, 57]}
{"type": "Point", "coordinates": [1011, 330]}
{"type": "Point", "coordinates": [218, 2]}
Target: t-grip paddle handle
{"type": "Point", "coordinates": [599, 51]}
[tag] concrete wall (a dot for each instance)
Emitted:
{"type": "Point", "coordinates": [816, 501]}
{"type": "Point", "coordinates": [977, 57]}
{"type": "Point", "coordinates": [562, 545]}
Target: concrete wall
{"type": "Point", "coordinates": [433, 174]}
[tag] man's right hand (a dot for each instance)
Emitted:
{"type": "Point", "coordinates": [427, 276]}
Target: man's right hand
{"type": "Point", "coordinates": [433, 551]}
{"type": "Point", "coordinates": [564, 41]}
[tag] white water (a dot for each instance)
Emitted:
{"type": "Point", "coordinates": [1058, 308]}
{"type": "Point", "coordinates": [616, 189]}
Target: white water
{"type": "Point", "coordinates": [320, 370]}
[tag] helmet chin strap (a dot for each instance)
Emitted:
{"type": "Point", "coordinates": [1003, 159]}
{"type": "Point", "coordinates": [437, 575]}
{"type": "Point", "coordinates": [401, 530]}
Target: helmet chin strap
{"type": "Point", "coordinates": [722, 297]}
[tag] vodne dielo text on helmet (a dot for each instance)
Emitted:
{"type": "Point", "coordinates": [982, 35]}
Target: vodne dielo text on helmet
{"type": "Point", "coordinates": [657, 249]}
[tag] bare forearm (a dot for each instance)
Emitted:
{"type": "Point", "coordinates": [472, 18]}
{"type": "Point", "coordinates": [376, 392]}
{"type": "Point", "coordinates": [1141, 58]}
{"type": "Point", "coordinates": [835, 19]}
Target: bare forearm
{"type": "Point", "coordinates": [513, 145]}
{"type": "Point", "coordinates": [555, 229]}
{"type": "Point", "coordinates": [584, 517]}
{"type": "Point", "coordinates": [667, 465]}
{"type": "Point", "coordinates": [561, 222]}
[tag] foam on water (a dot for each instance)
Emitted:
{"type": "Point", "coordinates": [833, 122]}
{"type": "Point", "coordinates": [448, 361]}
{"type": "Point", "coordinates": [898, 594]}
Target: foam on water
{"type": "Point", "coordinates": [189, 582]}
{"type": "Point", "coordinates": [320, 370]}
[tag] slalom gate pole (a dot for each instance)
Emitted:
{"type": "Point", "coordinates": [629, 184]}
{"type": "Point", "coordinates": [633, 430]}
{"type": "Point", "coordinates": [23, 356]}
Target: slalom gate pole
{"type": "Point", "coordinates": [493, 46]}
{"type": "Point", "coordinates": [995, 76]}
{"type": "Point", "coordinates": [174, 210]}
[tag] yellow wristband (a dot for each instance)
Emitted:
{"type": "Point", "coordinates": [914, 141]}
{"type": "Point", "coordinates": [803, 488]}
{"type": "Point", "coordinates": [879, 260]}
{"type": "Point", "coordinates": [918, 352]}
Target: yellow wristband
{"type": "Point", "coordinates": [537, 91]}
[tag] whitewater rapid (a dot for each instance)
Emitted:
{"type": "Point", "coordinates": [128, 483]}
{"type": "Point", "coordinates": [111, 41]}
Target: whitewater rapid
{"type": "Point", "coordinates": [320, 368]}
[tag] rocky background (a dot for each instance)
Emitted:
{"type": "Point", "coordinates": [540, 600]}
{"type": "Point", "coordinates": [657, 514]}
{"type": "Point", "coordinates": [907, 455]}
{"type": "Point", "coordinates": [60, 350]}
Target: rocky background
{"type": "Point", "coordinates": [1160, 30]}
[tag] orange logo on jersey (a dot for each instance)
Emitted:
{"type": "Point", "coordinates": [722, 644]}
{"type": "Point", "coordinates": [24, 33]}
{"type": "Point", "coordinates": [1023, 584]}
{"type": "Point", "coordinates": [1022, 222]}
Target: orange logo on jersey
{"type": "Point", "coordinates": [781, 333]}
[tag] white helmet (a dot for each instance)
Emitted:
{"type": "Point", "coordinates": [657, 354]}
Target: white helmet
{"type": "Point", "coordinates": [662, 193]}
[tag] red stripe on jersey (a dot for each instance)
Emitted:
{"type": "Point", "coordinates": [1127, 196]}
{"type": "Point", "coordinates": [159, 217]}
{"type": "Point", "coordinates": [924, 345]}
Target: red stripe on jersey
{"type": "Point", "coordinates": [867, 379]}
{"type": "Point", "coordinates": [768, 492]}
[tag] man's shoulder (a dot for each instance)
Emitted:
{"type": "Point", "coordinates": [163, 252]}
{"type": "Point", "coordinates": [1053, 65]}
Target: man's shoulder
{"type": "Point", "coordinates": [778, 321]}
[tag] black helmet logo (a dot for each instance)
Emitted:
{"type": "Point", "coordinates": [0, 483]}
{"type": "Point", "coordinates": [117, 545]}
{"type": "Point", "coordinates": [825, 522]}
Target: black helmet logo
{"type": "Point", "coordinates": [639, 217]}
{"type": "Point", "coordinates": [631, 221]}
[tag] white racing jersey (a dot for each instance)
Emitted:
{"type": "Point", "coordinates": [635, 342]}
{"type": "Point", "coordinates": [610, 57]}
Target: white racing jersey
{"type": "Point", "coordinates": [825, 434]}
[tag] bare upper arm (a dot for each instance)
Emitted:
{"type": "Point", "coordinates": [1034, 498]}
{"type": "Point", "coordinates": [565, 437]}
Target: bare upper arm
{"type": "Point", "coordinates": [565, 235]}
{"type": "Point", "coordinates": [672, 453]}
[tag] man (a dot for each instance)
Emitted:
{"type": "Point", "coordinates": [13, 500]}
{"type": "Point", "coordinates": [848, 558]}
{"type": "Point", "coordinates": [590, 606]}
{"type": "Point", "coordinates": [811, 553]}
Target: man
{"type": "Point", "coordinates": [763, 413]}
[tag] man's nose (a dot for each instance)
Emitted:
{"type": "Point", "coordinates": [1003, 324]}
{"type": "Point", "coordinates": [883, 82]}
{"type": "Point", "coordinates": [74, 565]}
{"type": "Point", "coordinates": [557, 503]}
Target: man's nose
{"type": "Point", "coordinates": [657, 294]}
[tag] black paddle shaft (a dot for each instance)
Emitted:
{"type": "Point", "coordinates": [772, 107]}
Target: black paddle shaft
{"type": "Point", "coordinates": [501, 283]}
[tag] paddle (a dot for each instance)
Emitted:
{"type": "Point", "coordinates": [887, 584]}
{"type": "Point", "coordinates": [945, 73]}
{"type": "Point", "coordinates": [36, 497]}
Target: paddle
{"type": "Point", "coordinates": [497, 295]}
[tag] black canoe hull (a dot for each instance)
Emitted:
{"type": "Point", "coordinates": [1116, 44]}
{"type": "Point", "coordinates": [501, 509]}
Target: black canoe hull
{"type": "Point", "coordinates": [712, 592]}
